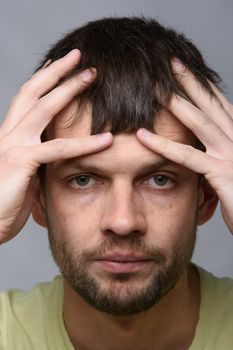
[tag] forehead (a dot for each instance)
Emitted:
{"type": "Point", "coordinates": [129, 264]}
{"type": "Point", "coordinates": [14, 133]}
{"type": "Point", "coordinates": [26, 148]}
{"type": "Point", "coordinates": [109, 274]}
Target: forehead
{"type": "Point", "coordinates": [128, 153]}
{"type": "Point", "coordinates": [75, 122]}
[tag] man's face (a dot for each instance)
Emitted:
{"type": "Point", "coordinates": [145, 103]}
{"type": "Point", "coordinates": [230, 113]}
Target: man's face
{"type": "Point", "coordinates": [122, 221]}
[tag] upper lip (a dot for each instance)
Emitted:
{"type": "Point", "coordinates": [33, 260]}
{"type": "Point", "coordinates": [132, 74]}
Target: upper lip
{"type": "Point", "coordinates": [124, 257]}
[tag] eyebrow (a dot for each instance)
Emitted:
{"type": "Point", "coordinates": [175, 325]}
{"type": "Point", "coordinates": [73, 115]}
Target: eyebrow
{"type": "Point", "coordinates": [78, 164]}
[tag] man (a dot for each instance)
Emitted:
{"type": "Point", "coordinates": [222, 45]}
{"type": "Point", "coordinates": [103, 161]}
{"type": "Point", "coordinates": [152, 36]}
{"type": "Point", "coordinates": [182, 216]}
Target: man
{"type": "Point", "coordinates": [121, 205]}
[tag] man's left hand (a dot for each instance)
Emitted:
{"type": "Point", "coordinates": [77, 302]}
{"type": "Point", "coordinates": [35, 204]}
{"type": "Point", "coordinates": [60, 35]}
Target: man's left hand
{"type": "Point", "coordinates": [211, 120]}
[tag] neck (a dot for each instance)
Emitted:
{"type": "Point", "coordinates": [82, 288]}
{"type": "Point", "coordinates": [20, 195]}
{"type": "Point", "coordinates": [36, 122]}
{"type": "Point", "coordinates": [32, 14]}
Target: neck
{"type": "Point", "coordinates": [170, 324]}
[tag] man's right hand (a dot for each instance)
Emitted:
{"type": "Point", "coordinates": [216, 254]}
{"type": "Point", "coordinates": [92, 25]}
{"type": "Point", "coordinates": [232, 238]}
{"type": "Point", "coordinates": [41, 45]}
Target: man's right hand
{"type": "Point", "coordinates": [21, 150]}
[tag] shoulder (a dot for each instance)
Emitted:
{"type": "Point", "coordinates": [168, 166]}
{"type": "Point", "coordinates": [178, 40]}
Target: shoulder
{"type": "Point", "coordinates": [214, 329]}
{"type": "Point", "coordinates": [22, 312]}
{"type": "Point", "coordinates": [216, 289]}
{"type": "Point", "coordinates": [16, 298]}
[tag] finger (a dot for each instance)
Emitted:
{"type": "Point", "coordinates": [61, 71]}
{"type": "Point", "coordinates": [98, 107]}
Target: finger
{"type": "Point", "coordinates": [179, 153]}
{"type": "Point", "coordinates": [39, 84]}
{"type": "Point", "coordinates": [51, 104]}
{"type": "Point", "coordinates": [47, 63]}
{"type": "Point", "coordinates": [60, 149]}
{"type": "Point", "coordinates": [226, 104]}
{"type": "Point", "coordinates": [209, 104]}
{"type": "Point", "coordinates": [201, 125]}
{"type": "Point", "coordinates": [19, 159]}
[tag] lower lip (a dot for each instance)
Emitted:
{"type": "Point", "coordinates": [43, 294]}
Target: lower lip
{"type": "Point", "coordinates": [123, 267]}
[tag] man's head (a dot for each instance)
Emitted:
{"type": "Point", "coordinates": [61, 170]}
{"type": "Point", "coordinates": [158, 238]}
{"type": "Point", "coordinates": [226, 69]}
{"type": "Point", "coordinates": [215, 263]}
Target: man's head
{"type": "Point", "coordinates": [133, 60]}
{"type": "Point", "coordinates": [122, 222]}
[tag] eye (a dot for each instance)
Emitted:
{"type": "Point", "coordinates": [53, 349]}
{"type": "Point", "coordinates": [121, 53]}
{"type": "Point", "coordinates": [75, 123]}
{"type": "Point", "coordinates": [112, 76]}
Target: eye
{"type": "Point", "coordinates": [82, 181]}
{"type": "Point", "coordinates": [160, 181]}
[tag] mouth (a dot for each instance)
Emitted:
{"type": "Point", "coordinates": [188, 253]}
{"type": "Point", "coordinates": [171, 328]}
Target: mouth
{"type": "Point", "coordinates": [123, 263]}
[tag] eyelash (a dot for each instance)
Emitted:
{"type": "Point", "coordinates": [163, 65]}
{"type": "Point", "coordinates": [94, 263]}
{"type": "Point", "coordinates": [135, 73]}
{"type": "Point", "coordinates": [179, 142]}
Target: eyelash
{"type": "Point", "coordinates": [170, 182]}
{"type": "Point", "coordinates": [79, 176]}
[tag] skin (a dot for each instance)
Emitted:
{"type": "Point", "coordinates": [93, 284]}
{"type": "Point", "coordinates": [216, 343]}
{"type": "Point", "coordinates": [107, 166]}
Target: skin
{"type": "Point", "coordinates": [21, 151]}
{"type": "Point", "coordinates": [210, 120]}
{"type": "Point", "coordinates": [123, 201]}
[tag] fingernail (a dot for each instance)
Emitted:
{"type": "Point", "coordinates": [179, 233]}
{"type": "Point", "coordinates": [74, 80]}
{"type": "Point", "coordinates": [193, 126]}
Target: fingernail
{"type": "Point", "coordinates": [87, 74]}
{"type": "Point", "coordinates": [145, 133]}
{"type": "Point", "coordinates": [47, 63]}
{"type": "Point", "coordinates": [74, 52]}
{"type": "Point", "coordinates": [177, 64]}
{"type": "Point", "coordinates": [104, 136]}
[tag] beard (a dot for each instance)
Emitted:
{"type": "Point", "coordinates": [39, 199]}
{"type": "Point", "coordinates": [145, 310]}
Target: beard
{"type": "Point", "coordinates": [124, 294]}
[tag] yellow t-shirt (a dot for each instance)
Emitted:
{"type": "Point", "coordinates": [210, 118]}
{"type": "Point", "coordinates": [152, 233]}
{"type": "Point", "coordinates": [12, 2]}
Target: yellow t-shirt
{"type": "Point", "coordinates": [33, 320]}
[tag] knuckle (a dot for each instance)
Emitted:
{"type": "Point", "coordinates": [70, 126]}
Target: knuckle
{"type": "Point", "coordinates": [13, 100]}
{"type": "Point", "coordinates": [205, 119]}
{"type": "Point", "coordinates": [14, 156]}
{"type": "Point", "coordinates": [56, 69]}
{"type": "Point", "coordinates": [26, 87]}
{"type": "Point", "coordinates": [42, 108]}
{"type": "Point", "coordinates": [187, 154]}
{"type": "Point", "coordinates": [202, 121]}
{"type": "Point", "coordinates": [163, 145]}
{"type": "Point", "coordinates": [29, 87]}
{"type": "Point", "coordinates": [188, 151]}
{"type": "Point", "coordinates": [75, 84]}
{"type": "Point", "coordinates": [59, 145]}
{"type": "Point", "coordinates": [84, 79]}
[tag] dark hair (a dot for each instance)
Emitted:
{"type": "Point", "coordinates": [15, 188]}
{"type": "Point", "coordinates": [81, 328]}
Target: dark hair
{"type": "Point", "coordinates": [133, 59]}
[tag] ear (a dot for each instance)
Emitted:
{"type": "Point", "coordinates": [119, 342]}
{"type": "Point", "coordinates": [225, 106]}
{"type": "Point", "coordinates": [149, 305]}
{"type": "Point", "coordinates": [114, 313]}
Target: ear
{"type": "Point", "coordinates": [38, 204]}
{"type": "Point", "coordinates": [207, 202]}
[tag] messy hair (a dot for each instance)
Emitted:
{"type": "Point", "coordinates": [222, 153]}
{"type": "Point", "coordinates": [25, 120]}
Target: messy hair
{"type": "Point", "coordinates": [133, 60]}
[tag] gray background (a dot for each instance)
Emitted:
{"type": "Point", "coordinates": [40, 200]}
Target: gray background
{"type": "Point", "coordinates": [28, 27]}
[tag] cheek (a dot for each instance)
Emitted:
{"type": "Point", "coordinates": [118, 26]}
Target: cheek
{"type": "Point", "coordinates": [74, 219]}
{"type": "Point", "coordinates": [171, 218]}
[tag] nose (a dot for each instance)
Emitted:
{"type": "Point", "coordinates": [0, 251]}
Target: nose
{"type": "Point", "coordinates": [123, 212]}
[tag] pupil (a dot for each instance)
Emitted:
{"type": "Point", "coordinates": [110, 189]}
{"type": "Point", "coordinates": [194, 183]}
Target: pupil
{"type": "Point", "coordinates": [160, 180]}
{"type": "Point", "coordinates": [82, 180]}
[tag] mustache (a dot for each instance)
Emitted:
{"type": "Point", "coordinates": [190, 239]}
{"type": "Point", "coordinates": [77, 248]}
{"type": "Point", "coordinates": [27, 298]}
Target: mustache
{"type": "Point", "coordinates": [129, 245]}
